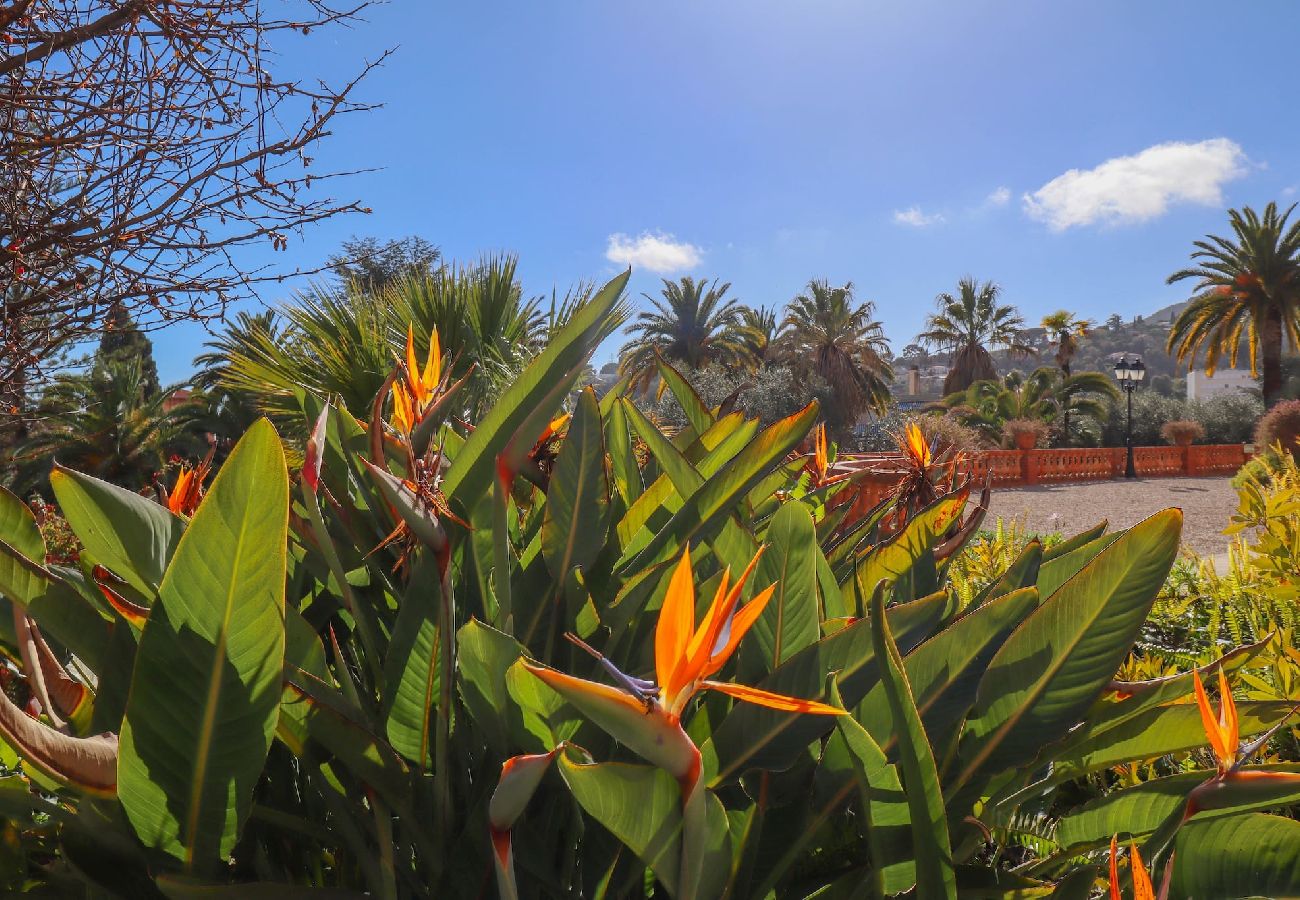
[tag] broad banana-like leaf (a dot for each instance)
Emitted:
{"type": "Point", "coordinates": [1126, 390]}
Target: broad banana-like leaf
{"type": "Point", "coordinates": [132, 535]}
{"type": "Point", "coordinates": [790, 622]}
{"type": "Point", "coordinates": [640, 805]}
{"type": "Point", "coordinates": [851, 750]}
{"type": "Point", "coordinates": [412, 670]}
{"type": "Point", "coordinates": [1075, 541]}
{"type": "Point", "coordinates": [1139, 810]}
{"type": "Point", "coordinates": [484, 657]}
{"type": "Point", "coordinates": [696, 410]}
{"type": "Point", "coordinates": [711, 504]}
{"type": "Point", "coordinates": [1238, 856]}
{"type": "Point", "coordinates": [546, 717]}
{"type": "Point", "coordinates": [1054, 572]}
{"type": "Point", "coordinates": [755, 737]}
{"type": "Point", "coordinates": [22, 539]}
{"type": "Point", "coordinates": [930, 845]}
{"type": "Point", "coordinates": [206, 691]}
{"type": "Point", "coordinates": [577, 501]}
{"type": "Point", "coordinates": [622, 456]}
{"type": "Point", "coordinates": [471, 471]}
{"type": "Point", "coordinates": [945, 671]}
{"type": "Point", "coordinates": [894, 559]}
{"type": "Point", "coordinates": [1060, 659]}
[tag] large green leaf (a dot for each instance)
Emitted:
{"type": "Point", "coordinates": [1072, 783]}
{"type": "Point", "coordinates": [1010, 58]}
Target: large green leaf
{"type": "Point", "coordinates": [484, 657]}
{"type": "Point", "coordinates": [412, 671]}
{"type": "Point", "coordinates": [1238, 856]}
{"type": "Point", "coordinates": [945, 671]}
{"type": "Point", "coordinates": [790, 621]}
{"type": "Point", "coordinates": [132, 535]}
{"type": "Point", "coordinates": [1052, 668]}
{"type": "Point", "coordinates": [1175, 728]}
{"type": "Point", "coordinates": [893, 559]}
{"type": "Point", "coordinates": [18, 530]}
{"type": "Point", "coordinates": [884, 806]}
{"type": "Point", "coordinates": [577, 501]}
{"type": "Point", "coordinates": [471, 471]}
{"type": "Point", "coordinates": [709, 506]}
{"type": "Point", "coordinates": [640, 805]}
{"type": "Point", "coordinates": [1143, 808]}
{"type": "Point", "coordinates": [934, 872]}
{"type": "Point", "coordinates": [697, 412]}
{"type": "Point", "coordinates": [755, 737]}
{"type": "Point", "coordinates": [206, 690]}
{"type": "Point", "coordinates": [1054, 572]}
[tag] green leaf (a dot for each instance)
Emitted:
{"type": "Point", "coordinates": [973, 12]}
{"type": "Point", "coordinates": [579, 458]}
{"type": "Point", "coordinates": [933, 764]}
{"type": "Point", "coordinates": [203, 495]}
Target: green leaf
{"type": "Point", "coordinates": [546, 717]}
{"type": "Point", "coordinates": [128, 533]}
{"type": "Point", "coordinates": [577, 501]}
{"type": "Point", "coordinates": [755, 737]}
{"type": "Point", "coordinates": [711, 504]}
{"type": "Point", "coordinates": [1057, 571]}
{"type": "Point", "coordinates": [884, 806]}
{"type": "Point", "coordinates": [18, 530]}
{"type": "Point", "coordinates": [206, 690]}
{"type": "Point", "coordinates": [1139, 810]}
{"type": "Point", "coordinates": [697, 413]}
{"type": "Point", "coordinates": [894, 559]}
{"type": "Point", "coordinates": [1061, 658]}
{"type": "Point", "coordinates": [1175, 728]}
{"type": "Point", "coordinates": [484, 656]}
{"type": "Point", "coordinates": [934, 872]}
{"type": "Point", "coordinates": [412, 672]}
{"type": "Point", "coordinates": [945, 671]}
{"type": "Point", "coordinates": [622, 456]}
{"type": "Point", "coordinates": [640, 805]}
{"type": "Point", "coordinates": [1238, 856]}
{"type": "Point", "coordinates": [1070, 544]}
{"type": "Point", "coordinates": [471, 471]}
{"type": "Point", "coordinates": [790, 622]}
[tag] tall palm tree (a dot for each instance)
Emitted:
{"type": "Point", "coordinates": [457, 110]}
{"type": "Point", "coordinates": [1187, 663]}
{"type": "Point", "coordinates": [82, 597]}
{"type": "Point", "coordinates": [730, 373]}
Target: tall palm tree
{"type": "Point", "coordinates": [827, 333]}
{"type": "Point", "coordinates": [692, 323]}
{"type": "Point", "coordinates": [1248, 286]}
{"type": "Point", "coordinates": [757, 332]}
{"type": "Point", "coordinates": [1066, 330]}
{"type": "Point", "coordinates": [104, 425]}
{"type": "Point", "coordinates": [967, 326]}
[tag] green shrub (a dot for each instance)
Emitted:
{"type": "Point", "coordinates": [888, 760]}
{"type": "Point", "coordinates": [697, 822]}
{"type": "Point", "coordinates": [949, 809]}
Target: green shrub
{"type": "Point", "coordinates": [1280, 425]}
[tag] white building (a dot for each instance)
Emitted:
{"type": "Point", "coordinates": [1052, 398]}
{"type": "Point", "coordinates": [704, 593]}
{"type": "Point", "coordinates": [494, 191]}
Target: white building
{"type": "Point", "coordinates": [1225, 381]}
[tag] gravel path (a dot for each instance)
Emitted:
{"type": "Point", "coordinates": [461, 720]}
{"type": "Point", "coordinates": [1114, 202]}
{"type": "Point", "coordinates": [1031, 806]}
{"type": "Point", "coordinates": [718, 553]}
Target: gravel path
{"type": "Point", "coordinates": [1068, 508]}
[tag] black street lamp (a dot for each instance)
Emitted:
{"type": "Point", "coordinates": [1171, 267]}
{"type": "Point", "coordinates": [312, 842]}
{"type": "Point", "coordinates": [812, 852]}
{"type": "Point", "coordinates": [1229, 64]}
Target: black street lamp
{"type": "Point", "coordinates": [1129, 372]}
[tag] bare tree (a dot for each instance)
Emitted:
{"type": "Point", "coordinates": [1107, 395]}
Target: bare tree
{"type": "Point", "coordinates": [142, 143]}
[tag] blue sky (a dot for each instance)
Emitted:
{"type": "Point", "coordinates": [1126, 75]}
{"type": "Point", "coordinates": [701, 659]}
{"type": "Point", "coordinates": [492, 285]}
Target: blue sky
{"type": "Point", "coordinates": [1070, 151]}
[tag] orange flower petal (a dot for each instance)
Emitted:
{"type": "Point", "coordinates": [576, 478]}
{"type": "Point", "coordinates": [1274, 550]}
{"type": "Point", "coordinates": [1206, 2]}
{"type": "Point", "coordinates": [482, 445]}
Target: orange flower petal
{"type": "Point", "coordinates": [716, 619]}
{"type": "Point", "coordinates": [403, 411]}
{"type": "Point", "coordinates": [676, 623]}
{"type": "Point", "coordinates": [1114, 870]}
{"type": "Point", "coordinates": [1228, 717]}
{"type": "Point", "coordinates": [1142, 888]}
{"type": "Point", "coordinates": [1211, 724]}
{"type": "Point", "coordinates": [774, 701]}
{"type": "Point", "coordinates": [740, 623]}
{"type": "Point", "coordinates": [433, 365]}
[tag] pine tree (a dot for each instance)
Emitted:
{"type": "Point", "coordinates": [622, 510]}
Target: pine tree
{"type": "Point", "coordinates": [124, 342]}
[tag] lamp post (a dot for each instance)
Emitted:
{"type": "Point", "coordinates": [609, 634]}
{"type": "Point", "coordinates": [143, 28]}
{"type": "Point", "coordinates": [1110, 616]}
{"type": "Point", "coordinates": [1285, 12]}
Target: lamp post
{"type": "Point", "coordinates": [1129, 372]}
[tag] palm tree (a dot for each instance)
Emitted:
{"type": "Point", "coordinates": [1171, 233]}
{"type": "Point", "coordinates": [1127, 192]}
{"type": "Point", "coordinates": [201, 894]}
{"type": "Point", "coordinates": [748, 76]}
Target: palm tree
{"type": "Point", "coordinates": [967, 326]}
{"type": "Point", "coordinates": [343, 342]}
{"type": "Point", "coordinates": [102, 424]}
{"type": "Point", "coordinates": [1248, 286]}
{"type": "Point", "coordinates": [757, 332]}
{"type": "Point", "coordinates": [1067, 330]}
{"type": "Point", "coordinates": [694, 324]}
{"type": "Point", "coordinates": [826, 333]}
{"type": "Point", "coordinates": [1043, 395]}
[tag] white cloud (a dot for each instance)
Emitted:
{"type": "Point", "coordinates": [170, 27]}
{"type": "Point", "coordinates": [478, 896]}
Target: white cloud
{"type": "Point", "coordinates": [1137, 188]}
{"type": "Point", "coordinates": [914, 217]}
{"type": "Point", "coordinates": [656, 251]}
{"type": "Point", "coordinates": [999, 197]}
{"type": "Point", "coordinates": [1289, 190]}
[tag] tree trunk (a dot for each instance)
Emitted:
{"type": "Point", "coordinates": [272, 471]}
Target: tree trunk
{"type": "Point", "coordinates": [1270, 346]}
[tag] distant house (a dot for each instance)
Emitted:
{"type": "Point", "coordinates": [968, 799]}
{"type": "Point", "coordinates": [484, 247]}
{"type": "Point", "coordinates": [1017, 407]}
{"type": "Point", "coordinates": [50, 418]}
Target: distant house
{"type": "Point", "coordinates": [1225, 381]}
{"type": "Point", "coordinates": [919, 387]}
{"type": "Point", "coordinates": [176, 398]}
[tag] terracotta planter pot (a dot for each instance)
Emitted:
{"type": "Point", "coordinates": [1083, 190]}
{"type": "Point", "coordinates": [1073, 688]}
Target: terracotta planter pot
{"type": "Point", "coordinates": [1026, 440]}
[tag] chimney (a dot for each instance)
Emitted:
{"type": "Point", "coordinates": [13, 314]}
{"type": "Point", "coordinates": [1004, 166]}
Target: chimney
{"type": "Point", "coordinates": [913, 381]}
